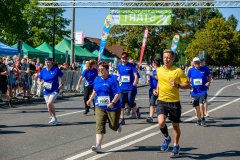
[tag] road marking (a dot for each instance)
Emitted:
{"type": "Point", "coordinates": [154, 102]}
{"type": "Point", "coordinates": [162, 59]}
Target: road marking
{"type": "Point", "coordinates": [152, 134]}
{"type": "Point", "coordinates": [61, 115]}
{"type": "Point", "coordinates": [144, 130]}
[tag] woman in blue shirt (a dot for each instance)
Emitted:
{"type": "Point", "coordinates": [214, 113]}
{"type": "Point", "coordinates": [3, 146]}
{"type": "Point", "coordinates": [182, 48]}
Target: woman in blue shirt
{"type": "Point", "coordinates": [48, 77]}
{"type": "Point", "coordinates": [106, 93]}
{"type": "Point", "coordinates": [90, 73]}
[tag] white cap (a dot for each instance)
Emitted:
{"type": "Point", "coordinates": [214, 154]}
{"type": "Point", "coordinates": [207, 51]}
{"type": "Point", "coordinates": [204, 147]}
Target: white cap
{"type": "Point", "coordinates": [196, 59]}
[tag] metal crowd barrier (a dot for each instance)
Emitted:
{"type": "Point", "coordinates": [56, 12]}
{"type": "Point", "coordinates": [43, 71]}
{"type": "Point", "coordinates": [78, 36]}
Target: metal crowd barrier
{"type": "Point", "coordinates": [73, 76]}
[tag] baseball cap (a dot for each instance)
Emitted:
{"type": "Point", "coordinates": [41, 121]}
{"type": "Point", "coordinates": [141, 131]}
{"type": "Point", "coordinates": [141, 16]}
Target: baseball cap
{"type": "Point", "coordinates": [196, 59]}
{"type": "Point", "coordinates": [48, 59]}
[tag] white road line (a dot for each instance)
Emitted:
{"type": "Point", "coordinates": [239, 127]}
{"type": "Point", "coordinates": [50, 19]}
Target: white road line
{"type": "Point", "coordinates": [152, 134]}
{"type": "Point", "coordinates": [141, 131]}
{"type": "Point", "coordinates": [61, 115]}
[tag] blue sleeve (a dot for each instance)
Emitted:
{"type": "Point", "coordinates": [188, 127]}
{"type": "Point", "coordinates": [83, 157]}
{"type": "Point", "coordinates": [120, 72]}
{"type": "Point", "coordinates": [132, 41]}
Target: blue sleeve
{"type": "Point", "coordinates": [40, 75]}
{"type": "Point", "coordinates": [84, 73]}
{"type": "Point", "coordinates": [134, 69]}
{"type": "Point", "coordinates": [189, 73]}
{"type": "Point", "coordinates": [59, 72]}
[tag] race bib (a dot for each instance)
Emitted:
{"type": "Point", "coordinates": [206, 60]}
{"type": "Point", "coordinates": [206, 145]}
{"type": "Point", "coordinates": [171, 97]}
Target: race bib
{"type": "Point", "coordinates": [197, 82]}
{"type": "Point", "coordinates": [125, 78]}
{"type": "Point", "coordinates": [47, 85]}
{"type": "Point", "coordinates": [103, 100]}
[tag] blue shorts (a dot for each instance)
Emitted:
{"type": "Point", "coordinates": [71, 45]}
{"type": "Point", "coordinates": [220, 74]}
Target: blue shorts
{"type": "Point", "coordinates": [128, 97]}
{"type": "Point", "coordinates": [152, 98]}
{"type": "Point", "coordinates": [196, 100]}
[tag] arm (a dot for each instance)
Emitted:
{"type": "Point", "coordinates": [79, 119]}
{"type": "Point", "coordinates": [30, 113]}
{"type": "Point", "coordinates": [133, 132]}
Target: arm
{"type": "Point", "coordinates": [114, 101]}
{"type": "Point", "coordinates": [79, 82]}
{"type": "Point", "coordinates": [135, 82]}
{"type": "Point", "coordinates": [91, 98]}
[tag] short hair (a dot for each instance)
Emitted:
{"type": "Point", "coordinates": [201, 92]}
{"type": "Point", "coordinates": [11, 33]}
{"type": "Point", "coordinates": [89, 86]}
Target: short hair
{"type": "Point", "coordinates": [126, 54]}
{"type": "Point", "coordinates": [157, 61]}
{"type": "Point", "coordinates": [168, 51]}
{"type": "Point", "coordinates": [90, 64]}
{"type": "Point", "coordinates": [104, 64]}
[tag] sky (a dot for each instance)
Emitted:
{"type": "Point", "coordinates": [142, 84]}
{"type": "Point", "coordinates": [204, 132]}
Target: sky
{"type": "Point", "coordinates": [90, 20]}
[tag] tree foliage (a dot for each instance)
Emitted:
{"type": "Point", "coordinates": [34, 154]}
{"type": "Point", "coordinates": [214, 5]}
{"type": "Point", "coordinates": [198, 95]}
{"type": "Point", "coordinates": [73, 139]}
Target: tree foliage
{"type": "Point", "coordinates": [219, 40]}
{"type": "Point", "coordinates": [23, 20]}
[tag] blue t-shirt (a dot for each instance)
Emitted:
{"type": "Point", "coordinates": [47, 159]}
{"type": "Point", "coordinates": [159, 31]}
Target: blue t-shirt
{"type": "Point", "coordinates": [50, 78]}
{"type": "Point", "coordinates": [105, 90]}
{"type": "Point", "coordinates": [199, 77]}
{"type": "Point", "coordinates": [153, 80]}
{"type": "Point", "coordinates": [89, 75]}
{"type": "Point", "coordinates": [126, 76]}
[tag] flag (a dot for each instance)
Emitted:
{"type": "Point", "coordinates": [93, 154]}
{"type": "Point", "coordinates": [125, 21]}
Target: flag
{"type": "Point", "coordinates": [144, 41]}
{"type": "Point", "coordinates": [175, 42]}
{"type": "Point", "coordinates": [105, 32]}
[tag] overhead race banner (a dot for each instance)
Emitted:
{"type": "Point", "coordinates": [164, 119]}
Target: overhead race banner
{"type": "Point", "coordinates": [175, 42]}
{"type": "Point", "coordinates": [141, 17]}
{"type": "Point", "coordinates": [105, 32]}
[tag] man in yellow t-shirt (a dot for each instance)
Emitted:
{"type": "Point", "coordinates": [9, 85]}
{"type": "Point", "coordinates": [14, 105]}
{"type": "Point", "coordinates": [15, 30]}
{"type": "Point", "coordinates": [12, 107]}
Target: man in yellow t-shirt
{"type": "Point", "coordinates": [170, 79]}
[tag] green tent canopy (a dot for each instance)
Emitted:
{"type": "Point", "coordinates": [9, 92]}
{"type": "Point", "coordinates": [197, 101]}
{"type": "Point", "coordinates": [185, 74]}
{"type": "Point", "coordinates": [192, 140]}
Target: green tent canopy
{"type": "Point", "coordinates": [103, 57]}
{"type": "Point", "coordinates": [80, 53]}
{"type": "Point", "coordinates": [59, 56]}
{"type": "Point", "coordinates": [31, 52]}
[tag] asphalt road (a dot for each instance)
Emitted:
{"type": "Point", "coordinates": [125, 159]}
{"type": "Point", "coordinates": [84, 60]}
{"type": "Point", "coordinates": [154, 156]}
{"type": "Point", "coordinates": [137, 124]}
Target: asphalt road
{"type": "Point", "coordinates": [25, 134]}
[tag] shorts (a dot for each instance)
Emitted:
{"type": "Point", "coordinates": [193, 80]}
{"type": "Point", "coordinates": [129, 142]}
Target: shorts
{"type": "Point", "coordinates": [172, 110]}
{"type": "Point", "coordinates": [196, 100]}
{"type": "Point", "coordinates": [152, 98]}
{"type": "Point", "coordinates": [52, 96]}
{"type": "Point", "coordinates": [102, 116]}
{"type": "Point", "coordinates": [128, 97]}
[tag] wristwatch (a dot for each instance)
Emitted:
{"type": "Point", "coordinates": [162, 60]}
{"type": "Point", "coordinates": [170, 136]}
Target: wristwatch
{"type": "Point", "coordinates": [113, 103]}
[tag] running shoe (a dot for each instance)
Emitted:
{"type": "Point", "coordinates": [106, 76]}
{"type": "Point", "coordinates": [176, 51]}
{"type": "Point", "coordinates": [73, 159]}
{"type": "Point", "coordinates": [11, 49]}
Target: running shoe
{"type": "Point", "coordinates": [149, 120]}
{"type": "Point", "coordinates": [122, 121]}
{"type": "Point", "coordinates": [86, 111]}
{"type": "Point", "coordinates": [53, 121]}
{"type": "Point", "coordinates": [138, 113]}
{"type": "Point", "coordinates": [198, 123]}
{"type": "Point", "coordinates": [96, 149]}
{"type": "Point", "coordinates": [206, 115]}
{"type": "Point", "coordinates": [175, 151]}
{"type": "Point", "coordinates": [203, 122]}
{"type": "Point", "coordinates": [165, 145]}
{"type": "Point", "coordinates": [119, 130]}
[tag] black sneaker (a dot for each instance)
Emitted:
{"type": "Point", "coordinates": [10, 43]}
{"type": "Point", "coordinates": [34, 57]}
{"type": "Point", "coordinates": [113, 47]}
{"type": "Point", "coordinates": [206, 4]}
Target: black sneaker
{"type": "Point", "coordinates": [198, 123]}
{"type": "Point", "coordinates": [149, 120]}
{"type": "Point", "coordinates": [86, 111]}
{"type": "Point", "coordinates": [138, 113]}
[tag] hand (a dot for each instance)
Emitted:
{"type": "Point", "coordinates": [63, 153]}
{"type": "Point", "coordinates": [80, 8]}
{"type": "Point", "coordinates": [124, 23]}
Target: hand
{"type": "Point", "coordinates": [134, 84]}
{"type": "Point", "coordinates": [155, 92]}
{"type": "Point", "coordinates": [110, 105]}
{"type": "Point", "coordinates": [89, 102]}
{"type": "Point", "coordinates": [207, 84]}
{"type": "Point", "coordinates": [60, 86]}
{"type": "Point", "coordinates": [4, 73]}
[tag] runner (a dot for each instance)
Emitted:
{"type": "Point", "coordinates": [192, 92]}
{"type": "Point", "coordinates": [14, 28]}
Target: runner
{"type": "Point", "coordinates": [90, 73]}
{"type": "Point", "coordinates": [106, 93]}
{"type": "Point", "coordinates": [153, 86]}
{"type": "Point", "coordinates": [208, 72]}
{"type": "Point", "coordinates": [48, 77]}
{"type": "Point", "coordinates": [198, 76]}
{"type": "Point", "coordinates": [170, 79]}
{"type": "Point", "coordinates": [128, 79]}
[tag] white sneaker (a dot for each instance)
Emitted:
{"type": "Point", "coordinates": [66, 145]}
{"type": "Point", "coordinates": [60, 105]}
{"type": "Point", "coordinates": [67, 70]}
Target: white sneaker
{"type": "Point", "coordinates": [119, 130]}
{"type": "Point", "coordinates": [53, 121]}
{"type": "Point", "coordinates": [96, 149]}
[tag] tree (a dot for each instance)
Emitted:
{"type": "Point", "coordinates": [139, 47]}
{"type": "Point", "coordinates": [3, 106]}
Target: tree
{"type": "Point", "coordinates": [219, 40]}
{"type": "Point", "coordinates": [232, 21]}
{"type": "Point", "coordinates": [34, 25]}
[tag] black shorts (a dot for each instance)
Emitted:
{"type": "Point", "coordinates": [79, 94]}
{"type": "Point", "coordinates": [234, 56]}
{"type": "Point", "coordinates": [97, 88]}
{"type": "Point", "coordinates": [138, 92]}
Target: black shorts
{"type": "Point", "coordinates": [3, 88]}
{"type": "Point", "coordinates": [172, 110]}
{"type": "Point", "coordinates": [199, 100]}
